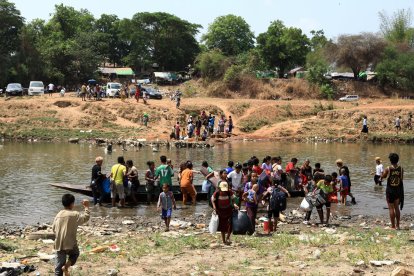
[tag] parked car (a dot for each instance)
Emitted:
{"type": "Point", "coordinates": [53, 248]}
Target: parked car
{"type": "Point", "coordinates": [113, 89]}
{"type": "Point", "coordinates": [36, 88]}
{"type": "Point", "coordinates": [14, 89]}
{"type": "Point", "coordinates": [349, 98]}
{"type": "Point", "coordinates": [152, 93]}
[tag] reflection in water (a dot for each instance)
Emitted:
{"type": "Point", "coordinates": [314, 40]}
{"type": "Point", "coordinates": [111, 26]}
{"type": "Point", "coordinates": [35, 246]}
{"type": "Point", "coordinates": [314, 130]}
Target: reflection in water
{"type": "Point", "coordinates": [27, 169]}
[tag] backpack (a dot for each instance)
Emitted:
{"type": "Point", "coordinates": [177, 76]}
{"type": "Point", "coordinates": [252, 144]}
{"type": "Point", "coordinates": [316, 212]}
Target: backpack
{"type": "Point", "coordinates": [277, 200]}
{"type": "Point", "coordinates": [216, 199]}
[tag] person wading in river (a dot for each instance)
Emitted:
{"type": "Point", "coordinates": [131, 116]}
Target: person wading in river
{"type": "Point", "coordinates": [395, 189]}
{"type": "Point", "coordinates": [97, 181]}
{"type": "Point", "coordinates": [118, 173]}
{"type": "Point", "coordinates": [340, 165]}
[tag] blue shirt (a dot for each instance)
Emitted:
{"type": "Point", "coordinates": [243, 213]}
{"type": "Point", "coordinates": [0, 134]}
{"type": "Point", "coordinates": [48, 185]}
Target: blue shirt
{"type": "Point", "coordinates": [229, 170]}
{"type": "Point", "coordinates": [345, 181]}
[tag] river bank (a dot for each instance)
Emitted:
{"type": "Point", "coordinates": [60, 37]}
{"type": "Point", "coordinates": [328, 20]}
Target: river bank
{"type": "Point", "coordinates": [136, 245]}
{"type": "Point", "coordinates": [33, 119]}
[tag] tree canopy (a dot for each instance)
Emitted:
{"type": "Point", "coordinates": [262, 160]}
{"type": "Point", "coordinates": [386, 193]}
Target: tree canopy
{"type": "Point", "coordinates": [11, 22]}
{"type": "Point", "coordinates": [230, 34]}
{"type": "Point", "coordinates": [357, 52]}
{"type": "Point", "coordinates": [283, 47]}
{"type": "Point", "coordinates": [160, 38]}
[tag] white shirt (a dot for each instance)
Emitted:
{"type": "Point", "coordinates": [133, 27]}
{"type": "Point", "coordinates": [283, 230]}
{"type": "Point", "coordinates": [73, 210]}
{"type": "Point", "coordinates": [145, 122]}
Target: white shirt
{"type": "Point", "coordinates": [235, 180]}
{"type": "Point", "coordinates": [51, 86]}
{"type": "Point", "coordinates": [276, 169]}
{"type": "Point", "coordinates": [379, 169]}
{"type": "Point", "coordinates": [364, 122]}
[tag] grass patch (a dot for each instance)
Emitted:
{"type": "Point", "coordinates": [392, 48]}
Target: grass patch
{"type": "Point", "coordinates": [318, 107]}
{"type": "Point", "coordinates": [288, 109]}
{"type": "Point", "coordinates": [253, 124]}
{"type": "Point", "coordinates": [45, 119]}
{"type": "Point", "coordinates": [239, 108]}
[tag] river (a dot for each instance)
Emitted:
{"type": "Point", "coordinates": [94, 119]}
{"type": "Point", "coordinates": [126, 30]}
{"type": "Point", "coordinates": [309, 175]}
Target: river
{"type": "Point", "coordinates": [27, 169]}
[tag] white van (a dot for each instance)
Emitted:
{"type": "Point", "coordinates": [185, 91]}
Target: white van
{"type": "Point", "coordinates": [349, 98]}
{"type": "Point", "coordinates": [36, 88]}
{"type": "Point", "coordinates": [113, 89]}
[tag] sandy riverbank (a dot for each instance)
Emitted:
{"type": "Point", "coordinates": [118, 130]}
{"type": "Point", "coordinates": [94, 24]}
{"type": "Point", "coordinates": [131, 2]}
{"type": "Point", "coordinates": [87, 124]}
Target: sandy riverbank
{"type": "Point", "coordinates": [56, 118]}
{"type": "Point", "coordinates": [347, 247]}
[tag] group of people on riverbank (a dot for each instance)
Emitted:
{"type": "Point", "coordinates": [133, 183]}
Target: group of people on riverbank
{"type": "Point", "coordinates": [249, 185]}
{"type": "Point", "coordinates": [202, 127]}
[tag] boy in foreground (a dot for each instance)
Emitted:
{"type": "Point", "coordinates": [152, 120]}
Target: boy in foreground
{"type": "Point", "coordinates": [65, 227]}
{"type": "Point", "coordinates": [166, 202]}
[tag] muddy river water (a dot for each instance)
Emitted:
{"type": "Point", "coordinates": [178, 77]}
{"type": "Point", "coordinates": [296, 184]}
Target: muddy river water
{"type": "Point", "coordinates": [26, 170]}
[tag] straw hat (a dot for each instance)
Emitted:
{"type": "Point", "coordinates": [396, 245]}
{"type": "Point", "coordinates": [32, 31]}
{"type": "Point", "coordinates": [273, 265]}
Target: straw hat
{"type": "Point", "coordinates": [224, 186]}
{"type": "Point", "coordinates": [377, 159]}
{"type": "Point", "coordinates": [339, 161]}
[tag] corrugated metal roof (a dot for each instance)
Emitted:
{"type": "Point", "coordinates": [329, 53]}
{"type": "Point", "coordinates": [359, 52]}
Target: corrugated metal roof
{"type": "Point", "coordinates": [125, 71]}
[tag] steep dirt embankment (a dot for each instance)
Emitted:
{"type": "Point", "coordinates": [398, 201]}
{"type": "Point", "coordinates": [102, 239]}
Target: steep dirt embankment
{"type": "Point", "coordinates": [55, 117]}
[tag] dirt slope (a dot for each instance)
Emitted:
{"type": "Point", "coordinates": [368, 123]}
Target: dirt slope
{"type": "Point", "coordinates": [55, 117]}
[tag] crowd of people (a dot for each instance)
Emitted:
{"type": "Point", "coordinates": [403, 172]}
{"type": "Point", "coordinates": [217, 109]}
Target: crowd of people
{"type": "Point", "coordinates": [202, 127]}
{"type": "Point", "coordinates": [249, 185]}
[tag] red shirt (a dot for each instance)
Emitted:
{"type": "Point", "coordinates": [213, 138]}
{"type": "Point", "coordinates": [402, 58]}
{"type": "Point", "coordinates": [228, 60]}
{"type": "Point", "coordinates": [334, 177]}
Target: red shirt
{"type": "Point", "coordinates": [257, 170]}
{"type": "Point", "coordinates": [290, 167]}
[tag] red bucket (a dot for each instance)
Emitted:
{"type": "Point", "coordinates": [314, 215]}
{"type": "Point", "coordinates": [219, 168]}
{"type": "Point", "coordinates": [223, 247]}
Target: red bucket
{"type": "Point", "coordinates": [266, 226]}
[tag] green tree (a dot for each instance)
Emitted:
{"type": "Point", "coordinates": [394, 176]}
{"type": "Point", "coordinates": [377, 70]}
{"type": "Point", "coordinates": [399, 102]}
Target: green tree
{"type": "Point", "coordinates": [230, 34]}
{"type": "Point", "coordinates": [397, 28]}
{"type": "Point", "coordinates": [283, 47]}
{"type": "Point", "coordinates": [357, 51]}
{"type": "Point", "coordinates": [111, 46]}
{"type": "Point", "coordinates": [69, 45]}
{"type": "Point", "coordinates": [11, 23]}
{"type": "Point", "coordinates": [160, 38]}
{"type": "Point", "coordinates": [396, 68]}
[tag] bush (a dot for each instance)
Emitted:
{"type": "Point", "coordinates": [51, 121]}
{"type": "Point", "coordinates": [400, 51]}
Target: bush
{"type": "Point", "coordinates": [232, 76]}
{"type": "Point", "coordinates": [253, 124]}
{"type": "Point", "coordinates": [327, 91]}
{"type": "Point", "coordinates": [212, 64]}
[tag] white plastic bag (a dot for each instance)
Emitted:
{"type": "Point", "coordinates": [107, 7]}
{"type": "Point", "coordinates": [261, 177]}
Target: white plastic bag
{"type": "Point", "coordinates": [214, 221]}
{"type": "Point", "coordinates": [206, 186]}
{"type": "Point", "coordinates": [305, 205]}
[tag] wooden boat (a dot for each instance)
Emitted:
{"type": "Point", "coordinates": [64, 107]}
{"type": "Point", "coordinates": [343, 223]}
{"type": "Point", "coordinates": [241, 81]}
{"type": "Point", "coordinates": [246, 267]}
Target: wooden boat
{"type": "Point", "coordinates": [140, 195]}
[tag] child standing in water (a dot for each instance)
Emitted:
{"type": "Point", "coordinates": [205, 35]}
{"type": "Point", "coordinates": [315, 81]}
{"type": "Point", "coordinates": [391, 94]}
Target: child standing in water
{"type": "Point", "coordinates": [344, 186]}
{"type": "Point", "coordinates": [395, 189]}
{"type": "Point", "coordinates": [65, 227]}
{"type": "Point", "coordinates": [166, 202]}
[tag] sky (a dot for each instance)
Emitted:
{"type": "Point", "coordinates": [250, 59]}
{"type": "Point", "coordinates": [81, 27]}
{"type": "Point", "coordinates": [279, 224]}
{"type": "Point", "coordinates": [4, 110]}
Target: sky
{"type": "Point", "coordinates": [333, 16]}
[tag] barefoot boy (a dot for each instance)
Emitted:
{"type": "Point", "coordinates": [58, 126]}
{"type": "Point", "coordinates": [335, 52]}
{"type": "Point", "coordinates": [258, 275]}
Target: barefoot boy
{"type": "Point", "coordinates": [65, 226]}
{"type": "Point", "coordinates": [166, 202]}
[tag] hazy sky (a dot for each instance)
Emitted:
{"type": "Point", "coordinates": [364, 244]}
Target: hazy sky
{"type": "Point", "coordinates": [333, 16]}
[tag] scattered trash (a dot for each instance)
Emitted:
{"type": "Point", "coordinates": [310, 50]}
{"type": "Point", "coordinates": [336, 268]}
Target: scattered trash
{"type": "Point", "coordinates": [360, 263]}
{"type": "Point", "coordinates": [330, 231]}
{"type": "Point", "coordinates": [114, 248]}
{"type": "Point", "coordinates": [256, 268]}
{"type": "Point", "coordinates": [112, 272]}
{"type": "Point", "coordinates": [400, 271]}
{"type": "Point", "coordinates": [381, 263]}
{"type": "Point", "coordinates": [201, 226]}
{"type": "Point", "coordinates": [317, 254]}
{"type": "Point", "coordinates": [46, 257]}
{"type": "Point", "coordinates": [128, 222]}
{"type": "Point", "coordinates": [99, 249]}
{"type": "Point", "coordinates": [48, 241]}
